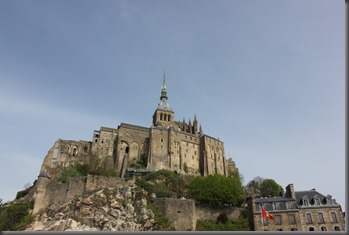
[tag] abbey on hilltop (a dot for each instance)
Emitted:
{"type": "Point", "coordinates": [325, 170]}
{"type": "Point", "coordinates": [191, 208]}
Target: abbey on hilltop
{"type": "Point", "coordinates": [166, 144]}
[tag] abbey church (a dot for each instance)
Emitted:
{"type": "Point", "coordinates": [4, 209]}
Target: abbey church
{"type": "Point", "coordinates": [166, 144]}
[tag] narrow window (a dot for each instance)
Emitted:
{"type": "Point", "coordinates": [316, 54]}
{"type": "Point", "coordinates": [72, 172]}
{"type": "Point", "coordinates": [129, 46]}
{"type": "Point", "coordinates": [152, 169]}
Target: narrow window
{"type": "Point", "coordinates": [328, 200]}
{"type": "Point", "coordinates": [276, 206]}
{"type": "Point", "coordinates": [334, 217]}
{"type": "Point", "coordinates": [74, 151]}
{"type": "Point", "coordinates": [292, 218]}
{"type": "Point", "coordinates": [290, 205]}
{"type": "Point", "coordinates": [277, 219]}
{"type": "Point", "coordinates": [169, 117]}
{"type": "Point", "coordinates": [321, 218]}
{"type": "Point", "coordinates": [317, 201]}
{"type": "Point", "coordinates": [309, 218]}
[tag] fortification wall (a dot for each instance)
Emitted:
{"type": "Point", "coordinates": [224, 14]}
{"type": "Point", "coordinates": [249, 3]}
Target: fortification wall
{"type": "Point", "coordinates": [180, 212]}
{"type": "Point", "coordinates": [209, 212]}
{"type": "Point", "coordinates": [57, 193]}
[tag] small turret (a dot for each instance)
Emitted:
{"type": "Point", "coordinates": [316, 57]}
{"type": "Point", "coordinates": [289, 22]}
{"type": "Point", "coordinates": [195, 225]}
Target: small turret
{"type": "Point", "coordinates": [40, 189]}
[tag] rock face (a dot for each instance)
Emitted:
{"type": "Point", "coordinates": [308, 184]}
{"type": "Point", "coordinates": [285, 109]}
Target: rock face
{"type": "Point", "coordinates": [122, 208]}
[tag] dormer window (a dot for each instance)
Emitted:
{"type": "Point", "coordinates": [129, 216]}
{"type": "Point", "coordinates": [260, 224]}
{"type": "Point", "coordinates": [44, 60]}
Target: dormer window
{"type": "Point", "coordinates": [329, 200]}
{"type": "Point", "coordinates": [276, 206]}
{"type": "Point", "coordinates": [290, 205]}
{"type": "Point", "coordinates": [316, 200]}
{"type": "Point", "coordinates": [305, 201]}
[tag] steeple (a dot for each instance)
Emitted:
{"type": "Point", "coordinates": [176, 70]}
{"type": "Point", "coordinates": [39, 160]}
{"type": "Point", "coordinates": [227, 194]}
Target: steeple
{"type": "Point", "coordinates": [163, 115]}
{"type": "Point", "coordinates": [163, 89]}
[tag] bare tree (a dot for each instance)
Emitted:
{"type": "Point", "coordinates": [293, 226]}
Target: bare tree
{"type": "Point", "coordinates": [27, 185]}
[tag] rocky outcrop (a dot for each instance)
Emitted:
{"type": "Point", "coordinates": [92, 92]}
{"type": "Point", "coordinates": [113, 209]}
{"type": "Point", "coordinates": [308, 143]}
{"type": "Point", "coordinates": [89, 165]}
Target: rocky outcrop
{"type": "Point", "coordinates": [122, 208]}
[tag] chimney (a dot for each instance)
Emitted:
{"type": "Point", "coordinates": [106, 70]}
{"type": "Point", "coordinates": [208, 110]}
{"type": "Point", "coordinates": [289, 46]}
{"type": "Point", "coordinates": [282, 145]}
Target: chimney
{"type": "Point", "coordinates": [290, 191]}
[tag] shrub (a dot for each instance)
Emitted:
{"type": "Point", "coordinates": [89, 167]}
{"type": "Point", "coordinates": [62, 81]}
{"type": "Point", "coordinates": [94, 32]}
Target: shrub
{"type": "Point", "coordinates": [16, 216]}
{"type": "Point", "coordinates": [217, 190]}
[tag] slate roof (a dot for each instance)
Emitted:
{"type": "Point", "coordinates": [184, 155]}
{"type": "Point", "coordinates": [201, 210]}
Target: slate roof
{"type": "Point", "coordinates": [164, 105]}
{"type": "Point", "coordinates": [268, 202]}
{"type": "Point", "coordinates": [311, 195]}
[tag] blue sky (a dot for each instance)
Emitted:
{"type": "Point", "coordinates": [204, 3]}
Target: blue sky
{"type": "Point", "coordinates": [265, 77]}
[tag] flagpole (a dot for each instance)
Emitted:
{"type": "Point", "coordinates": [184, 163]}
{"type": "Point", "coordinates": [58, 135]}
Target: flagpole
{"type": "Point", "coordinates": [262, 218]}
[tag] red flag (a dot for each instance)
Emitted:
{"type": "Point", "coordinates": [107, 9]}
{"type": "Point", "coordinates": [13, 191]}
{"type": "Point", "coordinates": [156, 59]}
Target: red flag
{"type": "Point", "coordinates": [265, 214]}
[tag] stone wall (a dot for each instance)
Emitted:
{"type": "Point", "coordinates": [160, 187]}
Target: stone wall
{"type": "Point", "coordinates": [58, 193]}
{"type": "Point", "coordinates": [184, 213]}
{"type": "Point", "coordinates": [209, 212]}
{"type": "Point", "coordinates": [180, 212]}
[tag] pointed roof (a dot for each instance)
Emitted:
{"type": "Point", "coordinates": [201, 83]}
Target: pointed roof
{"type": "Point", "coordinates": [163, 88]}
{"type": "Point", "coordinates": [164, 105]}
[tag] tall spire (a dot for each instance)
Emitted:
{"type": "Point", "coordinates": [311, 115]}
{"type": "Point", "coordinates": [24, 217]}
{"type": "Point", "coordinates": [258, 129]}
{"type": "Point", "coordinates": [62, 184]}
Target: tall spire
{"type": "Point", "coordinates": [163, 89]}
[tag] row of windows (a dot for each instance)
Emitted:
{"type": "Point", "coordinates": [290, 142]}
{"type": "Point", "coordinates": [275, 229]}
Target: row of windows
{"type": "Point", "coordinates": [215, 141]}
{"type": "Point", "coordinates": [323, 228]}
{"type": "Point", "coordinates": [291, 218]}
{"type": "Point", "coordinates": [309, 218]}
{"type": "Point", "coordinates": [165, 117]}
{"type": "Point", "coordinates": [321, 217]}
{"type": "Point", "coordinates": [316, 201]}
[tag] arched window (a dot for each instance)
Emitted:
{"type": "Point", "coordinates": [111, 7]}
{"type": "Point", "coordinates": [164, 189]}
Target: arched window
{"type": "Point", "coordinates": [74, 151]}
{"type": "Point", "coordinates": [323, 228]}
{"type": "Point", "coordinates": [165, 117]}
{"type": "Point", "coordinates": [336, 228]}
{"type": "Point", "coordinates": [311, 229]}
{"type": "Point", "coordinates": [160, 116]}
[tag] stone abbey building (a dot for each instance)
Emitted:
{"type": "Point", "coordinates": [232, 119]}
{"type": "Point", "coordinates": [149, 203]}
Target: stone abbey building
{"type": "Point", "coordinates": [166, 144]}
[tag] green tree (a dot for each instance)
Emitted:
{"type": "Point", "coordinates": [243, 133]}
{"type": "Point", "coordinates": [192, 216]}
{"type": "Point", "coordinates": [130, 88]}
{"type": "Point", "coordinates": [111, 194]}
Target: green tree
{"type": "Point", "coordinates": [163, 183]}
{"type": "Point", "coordinates": [217, 189]}
{"type": "Point", "coordinates": [269, 188]}
{"type": "Point", "coordinates": [263, 187]}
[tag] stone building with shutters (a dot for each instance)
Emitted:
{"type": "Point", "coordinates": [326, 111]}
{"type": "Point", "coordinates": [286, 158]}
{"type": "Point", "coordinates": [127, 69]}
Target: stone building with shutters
{"type": "Point", "coordinates": [297, 211]}
{"type": "Point", "coordinates": [167, 144]}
